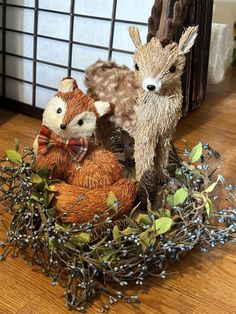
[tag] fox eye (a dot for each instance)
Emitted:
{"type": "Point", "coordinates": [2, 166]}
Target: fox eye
{"type": "Point", "coordinates": [80, 122]}
{"type": "Point", "coordinates": [136, 67]}
{"type": "Point", "coordinates": [172, 69]}
{"type": "Point", "coordinates": [59, 110]}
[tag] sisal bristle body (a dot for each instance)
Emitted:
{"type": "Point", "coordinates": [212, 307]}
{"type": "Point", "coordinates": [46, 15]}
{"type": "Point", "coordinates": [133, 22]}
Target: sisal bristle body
{"type": "Point", "coordinates": [79, 205]}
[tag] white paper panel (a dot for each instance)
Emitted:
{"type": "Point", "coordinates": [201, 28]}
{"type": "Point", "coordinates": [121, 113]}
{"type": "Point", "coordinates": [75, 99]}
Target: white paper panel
{"type": "Point", "coordinates": [123, 58]}
{"type": "Point", "coordinates": [54, 25]}
{"type": "Point", "coordinates": [92, 31]}
{"type": "Point", "coordinates": [52, 51]}
{"type": "Point", "coordinates": [57, 5]}
{"type": "Point", "coordinates": [102, 8]}
{"type": "Point", "coordinates": [80, 79]}
{"type": "Point", "coordinates": [82, 56]}
{"type": "Point", "coordinates": [20, 19]}
{"type": "Point", "coordinates": [28, 3]}
{"type": "Point", "coordinates": [43, 96]}
{"type": "Point", "coordinates": [19, 44]}
{"type": "Point", "coordinates": [134, 10]}
{"type": "Point", "coordinates": [19, 91]}
{"type": "Point", "coordinates": [19, 68]}
{"type": "Point", "coordinates": [53, 77]}
{"type": "Point", "coordinates": [122, 39]}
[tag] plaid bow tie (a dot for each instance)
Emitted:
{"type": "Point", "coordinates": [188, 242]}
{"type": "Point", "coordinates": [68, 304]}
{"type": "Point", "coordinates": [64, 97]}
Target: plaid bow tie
{"type": "Point", "coordinates": [76, 147]}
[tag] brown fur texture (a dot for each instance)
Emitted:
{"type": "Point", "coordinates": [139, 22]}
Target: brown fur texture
{"type": "Point", "coordinates": [97, 174]}
{"type": "Point", "coordinates": [98, 169]}
{"type": "Point", "coordinates": [84, 204]}
{"type": "Point", "coordinates": [148, 116]}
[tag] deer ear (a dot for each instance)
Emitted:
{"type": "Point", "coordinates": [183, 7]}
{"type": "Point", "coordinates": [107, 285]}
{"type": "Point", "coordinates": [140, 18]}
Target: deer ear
{"type": "Point", "coordinates": [187, 39]}
{"type": "Point", "coordinates": [102, 108]}
{"type": "Point", "coordinates": [67, 84]}
{"type": "Point", "coordinates": [135, 36]}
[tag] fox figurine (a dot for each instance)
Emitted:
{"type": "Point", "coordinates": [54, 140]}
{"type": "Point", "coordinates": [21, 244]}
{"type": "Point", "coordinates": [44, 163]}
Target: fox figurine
{"type": "Point", "coordinates": [89, 172]}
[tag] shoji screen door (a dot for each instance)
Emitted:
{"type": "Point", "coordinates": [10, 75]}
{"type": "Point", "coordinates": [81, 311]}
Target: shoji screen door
{"type": "Point", "coordinates": [44, 40]}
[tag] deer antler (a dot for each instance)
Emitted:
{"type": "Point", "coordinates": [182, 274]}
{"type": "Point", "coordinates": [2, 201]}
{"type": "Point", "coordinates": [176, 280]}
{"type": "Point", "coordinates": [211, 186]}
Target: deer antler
{"type": "Point", "coordinates": [161, 25]}
{"type": "Point", "coordinates": [154, 19]}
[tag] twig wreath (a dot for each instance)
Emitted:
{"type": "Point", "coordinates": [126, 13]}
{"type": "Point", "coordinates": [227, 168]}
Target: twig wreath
{"type": "Point", "coordinates": [89, 260]}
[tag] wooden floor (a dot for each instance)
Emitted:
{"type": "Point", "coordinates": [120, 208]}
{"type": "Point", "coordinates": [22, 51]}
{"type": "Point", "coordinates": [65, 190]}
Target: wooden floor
{"type": "Point", "coordinates": [198, 284]}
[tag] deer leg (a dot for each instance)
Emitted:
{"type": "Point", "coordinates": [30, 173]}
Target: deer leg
{"type": "Point", "coordinates": [145, 173]}
{"type": "Point", "coordinates": [144, 152]}
{"type": "Point", "coordinates": [103, 133]}
{"type": "Point", "coordinates": [162, 158]}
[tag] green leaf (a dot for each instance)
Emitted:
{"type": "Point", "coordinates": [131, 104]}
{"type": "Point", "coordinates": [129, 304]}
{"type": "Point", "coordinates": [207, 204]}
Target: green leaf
{"type": "Point", "coordinates": [43, 172]}
{"type": "Point", "coordinates": [35, 197]}
{"type": "Point", "coordinates": [198, 196]}
{"type": "Point", "coordinates": [45, 197]}
{"type": "Point", "coordinates": [178, 172]}
{"type": "Point", "coordinates": [50, 198]}
{"type": "Point", "coordinates": [36, 179]}
{"type": "Point", "coordinates": [108, 255]}
{"type": "Point", "coordinates": [164, 212]}
{"type": "Point", "coordinates": [52, 212]}
{"type": "Point", "coordinates": [62, 226]}
{"type": "Point", "coordinates": [162, 225]}
{"type": "Point", "coordinates": [196, 153]}
{"type": "Point", "coordinates": [145, 239]}
{"type": "Point", "coordinates": [51, 245]}
{"type": "Point", "coordinates": [14, 156]}
{"type": "Point", "coordinates": [170, 199]}
{"type": "Point", "coordinates": [212, 186]}
{"type": "Point", "coordinates": [129, 230]}
{"type": "Point", "coordinates": [180, 196]}
{"type": "Point", "coordinates": [82, 237]}
{"type": "Point", "coordinates": [144, 219]}
{"type": "Point", "coordinates": [115, 232]}
{"type": "Point", "coordinates": [58, 227]}
{"type": "Point", "coordinates": [152, 239]}
{"type": "Point", "coordinates": [70, 246]}
{"type": "Point", "coordinates": [111, 199]}
{"type": "Point", "coordinates": [208, 207]}
{"type": "Point", "coordinates": [51, 188]}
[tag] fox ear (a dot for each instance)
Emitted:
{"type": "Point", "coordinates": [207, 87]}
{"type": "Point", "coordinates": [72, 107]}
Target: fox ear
{"type": "Point", "coordinates": [67, 84]}
{"type": "Point", "coordinates": [102, 108]}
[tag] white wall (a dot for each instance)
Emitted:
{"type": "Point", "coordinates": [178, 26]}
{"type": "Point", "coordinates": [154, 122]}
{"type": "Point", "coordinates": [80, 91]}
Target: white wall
{"type": "Point", "coordinates": [225, 12]}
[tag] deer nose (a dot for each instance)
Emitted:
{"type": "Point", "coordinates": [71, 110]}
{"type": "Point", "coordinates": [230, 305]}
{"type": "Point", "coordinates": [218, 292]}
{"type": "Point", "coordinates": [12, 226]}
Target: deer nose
{"type": "Point", "coordinates": [63, 126]}
{"type": "Point", "coordinates": [151, 87]}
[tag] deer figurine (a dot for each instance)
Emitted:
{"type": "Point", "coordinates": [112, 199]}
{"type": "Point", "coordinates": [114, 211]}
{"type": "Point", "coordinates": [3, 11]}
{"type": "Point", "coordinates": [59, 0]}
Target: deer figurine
{"type": "Point", "coordinates": [147, 101]}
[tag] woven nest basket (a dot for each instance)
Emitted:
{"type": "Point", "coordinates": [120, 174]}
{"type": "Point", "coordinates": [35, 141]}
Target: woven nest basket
{"type": "Point", "coordinates": [91, 259]}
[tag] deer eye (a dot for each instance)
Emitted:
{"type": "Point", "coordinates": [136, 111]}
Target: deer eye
{"type": "Point", "coordinates": [172, 69]}
{"type": "Point", "coordinates": [80, 122]}
{"type": "Point", "coordinates": [136, 67]}
{"type": "Point", "coordinates": [59, 110]}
